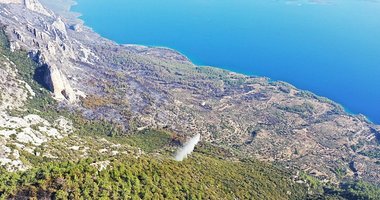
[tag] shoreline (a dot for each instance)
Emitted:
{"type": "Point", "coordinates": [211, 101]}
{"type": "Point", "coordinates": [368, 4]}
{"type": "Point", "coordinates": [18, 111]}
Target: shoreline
{"type": "Point", "coordinates": [74, 17]}
{"type": "Point", "coordinates": [64, 8]}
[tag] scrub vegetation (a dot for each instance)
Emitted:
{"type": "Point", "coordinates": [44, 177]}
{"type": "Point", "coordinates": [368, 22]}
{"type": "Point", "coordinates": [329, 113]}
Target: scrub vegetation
{"type": "Point", "coordinates": [210, 173]}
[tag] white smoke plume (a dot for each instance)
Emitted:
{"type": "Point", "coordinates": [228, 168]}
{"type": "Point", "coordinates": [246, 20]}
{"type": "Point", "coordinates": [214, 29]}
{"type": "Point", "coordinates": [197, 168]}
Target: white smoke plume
{"type": "Point", "coordinates": [188, 148]}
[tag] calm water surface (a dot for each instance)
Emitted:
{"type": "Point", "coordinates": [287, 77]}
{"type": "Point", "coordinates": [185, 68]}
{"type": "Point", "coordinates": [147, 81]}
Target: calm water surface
{"type": "Point", "coordinates": [331, 48]}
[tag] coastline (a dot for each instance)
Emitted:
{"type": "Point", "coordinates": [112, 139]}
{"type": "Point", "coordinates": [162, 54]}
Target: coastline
{"type": "Point", "coordinates": [64, 8]}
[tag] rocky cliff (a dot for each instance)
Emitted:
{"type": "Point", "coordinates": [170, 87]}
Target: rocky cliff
{"type": "Point", "coordinates": [46, 45]}
{"type": "Point", "coordinates": [137, 87]}
{"type": "Point", "coordinates": [33, 5]}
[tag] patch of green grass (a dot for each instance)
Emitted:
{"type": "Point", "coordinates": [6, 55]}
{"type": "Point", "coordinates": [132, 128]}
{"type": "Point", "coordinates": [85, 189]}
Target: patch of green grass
{"type": "Point", "coordinates": [215, 151]}
{"type": "Point", "coordinates": [148, 140]}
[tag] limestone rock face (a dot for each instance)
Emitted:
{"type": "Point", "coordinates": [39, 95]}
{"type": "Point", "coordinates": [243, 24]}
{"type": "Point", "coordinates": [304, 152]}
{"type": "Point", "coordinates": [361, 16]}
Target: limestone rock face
{"type": "Point", "coordinates": [22, 129]}
{"type": "Point", "coordinates": [59, 84]}
{"type": "Point", "coordinates": [47, 42]}
{"type": "Point", "coordinates": [35, 6]}
{"type": "Point", "coordinates": [60, 26]}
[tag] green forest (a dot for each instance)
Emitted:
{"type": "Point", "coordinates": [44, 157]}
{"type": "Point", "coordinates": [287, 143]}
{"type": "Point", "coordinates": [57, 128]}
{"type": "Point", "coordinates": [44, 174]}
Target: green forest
{"type": "Point", "coordinates": [200, 177]}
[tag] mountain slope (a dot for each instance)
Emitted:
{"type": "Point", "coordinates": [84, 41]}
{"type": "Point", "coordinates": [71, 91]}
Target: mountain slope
{"type": "Point", "coordinates": [81, 161]}
{"type": "Point", "coordinates": [197, 178]}
{"type": "Point", "coordinates": [104, 89]}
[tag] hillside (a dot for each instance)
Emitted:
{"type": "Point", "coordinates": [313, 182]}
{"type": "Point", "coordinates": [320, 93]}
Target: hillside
{"type": "Point", "coordinates": [71, 99]}
{"type": "Point", "coordinates": [82, 160]}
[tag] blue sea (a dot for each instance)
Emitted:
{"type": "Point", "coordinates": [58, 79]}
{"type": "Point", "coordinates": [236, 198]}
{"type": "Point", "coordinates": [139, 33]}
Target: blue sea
{"type": "Point", "coordinates": [331, 48]}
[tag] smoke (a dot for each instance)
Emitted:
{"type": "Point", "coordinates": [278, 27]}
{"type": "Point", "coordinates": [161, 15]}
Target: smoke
{"type": "Point", "coordinates": [188, 148]}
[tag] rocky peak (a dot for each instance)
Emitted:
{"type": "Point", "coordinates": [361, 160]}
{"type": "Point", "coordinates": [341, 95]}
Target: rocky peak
{"type": "Point", "coordinates": [33, 5]}
{"type": "Point", "coordinates": [36, 6]}
{"type": "Point", "coordinates": [58, 84]}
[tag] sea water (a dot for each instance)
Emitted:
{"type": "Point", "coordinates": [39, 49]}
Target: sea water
{"type": "Point", "coordinates": [331, 48]}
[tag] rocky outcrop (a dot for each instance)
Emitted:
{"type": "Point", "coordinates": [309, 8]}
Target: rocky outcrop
{"type": "Point", "coordinates": [59, 84]}
{"type": "Point", "coordinates": [22, 132]}
{"type": "Point", "coordinates": [36, 6]}
{"type": "Point", "coordinates": [60, 26]}
{"type": "Point", "coordinates": [76, 27]}
{"type": "Point", "coordinates": [33, 5]}
{"type": "Point", "coordinates": [47, 43]}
